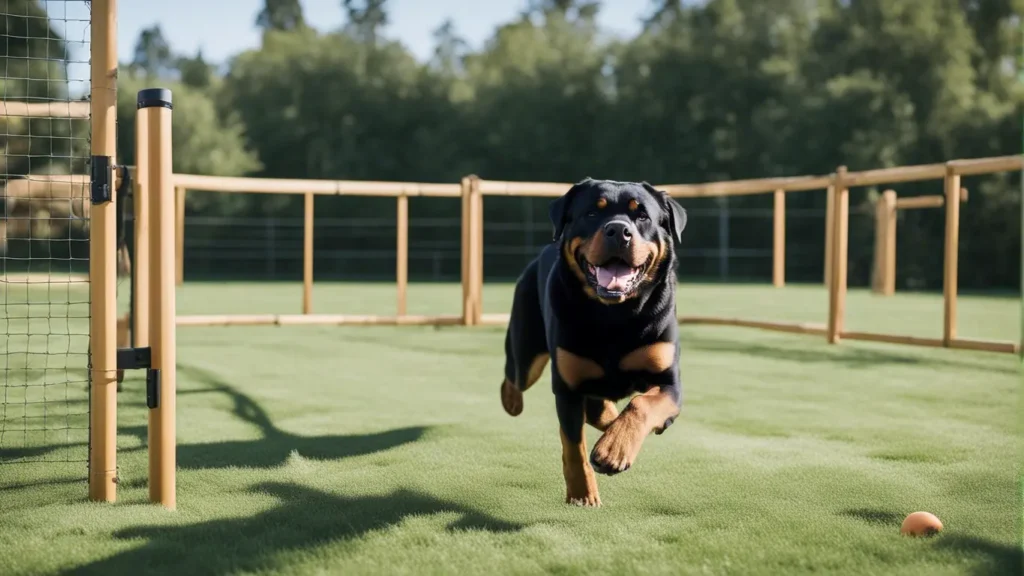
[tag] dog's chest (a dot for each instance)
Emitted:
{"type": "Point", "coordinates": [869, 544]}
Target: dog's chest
{"type": "Point", "coordinates": [612, 369]}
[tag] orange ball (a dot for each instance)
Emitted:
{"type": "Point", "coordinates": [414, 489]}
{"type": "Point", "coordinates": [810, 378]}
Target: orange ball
{"type": "Point", "coordinates": [921, 524]}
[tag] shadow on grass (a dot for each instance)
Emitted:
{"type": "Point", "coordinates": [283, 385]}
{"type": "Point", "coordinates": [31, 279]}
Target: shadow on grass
{"type": "Point", "coordinates": [305, 519]}
{"type": "Point", "coordinates": [270, 450]}
{"type": "Point", "coordinates": [846, 355]}
{"type": "Point", "coordinates": [873, 516]}
{"type": "Point", "coordinates": [55, 482]}
{"type": "Point", "coordinates": [274, 445]}
{"type": "Point", "coordinates": [995, 558]}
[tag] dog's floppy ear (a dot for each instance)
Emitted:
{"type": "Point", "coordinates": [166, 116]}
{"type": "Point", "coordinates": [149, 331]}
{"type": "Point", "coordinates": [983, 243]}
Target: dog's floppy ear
{"type": "Point", "coordinates": [674, 212]}
{"type": "Point", "coordinates": [558, 210]}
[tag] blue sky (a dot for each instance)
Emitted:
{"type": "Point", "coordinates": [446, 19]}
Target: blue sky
{"type": "Point", "coordinates": [225, 27]}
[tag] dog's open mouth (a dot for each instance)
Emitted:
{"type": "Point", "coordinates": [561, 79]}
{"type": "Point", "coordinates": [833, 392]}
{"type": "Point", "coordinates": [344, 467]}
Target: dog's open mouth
{"type": "Point", "coordinates": [615, 278]}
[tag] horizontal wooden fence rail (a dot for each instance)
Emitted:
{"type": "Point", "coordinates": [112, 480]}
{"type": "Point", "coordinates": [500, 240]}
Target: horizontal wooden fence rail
{"type": "Point", "coordinates": [401, 191]}
{"type": "Point", "coordinates": [472, 190]}
{"type": "Point", "coordinates": [62, 110]}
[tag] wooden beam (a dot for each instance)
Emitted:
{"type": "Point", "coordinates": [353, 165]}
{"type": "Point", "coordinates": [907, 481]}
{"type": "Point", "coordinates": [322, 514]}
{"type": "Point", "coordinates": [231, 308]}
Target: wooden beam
{"type": "Point", "coordinates": [56, 110]}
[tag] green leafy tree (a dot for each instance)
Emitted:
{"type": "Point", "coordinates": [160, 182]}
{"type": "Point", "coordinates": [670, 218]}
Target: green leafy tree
{"type": "Point", "coordinates": [366, 18]}
{"type": "Point", "coordinates": [195, 71]}
{"type": "Point", "coordinates": [153, 56]}
{"type": "Point", "coordinates": [281, 15]}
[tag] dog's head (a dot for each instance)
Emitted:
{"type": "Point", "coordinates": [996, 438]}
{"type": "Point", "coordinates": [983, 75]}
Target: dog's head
{"type": "Point", "coordinates": [616, 236]}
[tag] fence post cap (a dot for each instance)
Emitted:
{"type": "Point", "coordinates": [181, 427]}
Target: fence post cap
{"type": "Point", "coordinates": [154, 97]}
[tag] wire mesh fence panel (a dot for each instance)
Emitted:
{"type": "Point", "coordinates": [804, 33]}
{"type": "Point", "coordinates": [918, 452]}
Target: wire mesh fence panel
{"type": "Point", "coordinates": [44, 291]}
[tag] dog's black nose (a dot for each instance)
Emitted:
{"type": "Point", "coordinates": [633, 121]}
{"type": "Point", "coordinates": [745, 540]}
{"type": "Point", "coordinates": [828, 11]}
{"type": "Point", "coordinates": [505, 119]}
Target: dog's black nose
{"type": "Point", "coordinates": [618, 231]}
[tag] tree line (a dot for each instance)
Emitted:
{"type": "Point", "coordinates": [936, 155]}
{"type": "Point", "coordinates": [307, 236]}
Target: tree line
{"type": "Point", "coordinates": [706, 91]}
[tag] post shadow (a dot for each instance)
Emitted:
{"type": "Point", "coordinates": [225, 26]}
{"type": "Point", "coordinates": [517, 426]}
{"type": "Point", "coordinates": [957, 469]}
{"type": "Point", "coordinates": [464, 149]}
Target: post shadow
{"type": "Point", "coordinates": [844, 355]}
{"type": "Point", "coordinates": [271, 449]}
{"type": "Point", "coordinates": [274, 445]}
{"type": "Point", "coordinates": [305, 519]}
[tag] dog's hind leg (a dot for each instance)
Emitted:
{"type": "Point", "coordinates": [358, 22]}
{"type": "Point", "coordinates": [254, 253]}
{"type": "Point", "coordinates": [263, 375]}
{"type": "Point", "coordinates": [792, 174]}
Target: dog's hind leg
{"type": "Point", "coordinates": [526, 350]}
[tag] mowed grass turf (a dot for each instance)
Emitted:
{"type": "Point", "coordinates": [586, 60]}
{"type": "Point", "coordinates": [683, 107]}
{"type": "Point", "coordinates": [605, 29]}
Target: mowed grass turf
{"type": "Point", "coordinates": [385, 450]}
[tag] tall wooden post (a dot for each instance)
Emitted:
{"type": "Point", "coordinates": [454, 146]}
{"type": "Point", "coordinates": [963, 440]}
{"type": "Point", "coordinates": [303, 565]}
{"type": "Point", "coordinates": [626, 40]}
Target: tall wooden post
{"type": "Point", "coordinates": [154, 105]}
{"type": "Point", "coordinates": [102, 257]}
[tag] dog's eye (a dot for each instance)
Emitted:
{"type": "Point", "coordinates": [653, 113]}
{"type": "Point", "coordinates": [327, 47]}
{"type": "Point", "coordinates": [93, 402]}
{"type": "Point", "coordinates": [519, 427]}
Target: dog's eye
{"type": "Point", "coordinates": [642, 215]}
{"type": "Point", "coordinates": [592, 214]}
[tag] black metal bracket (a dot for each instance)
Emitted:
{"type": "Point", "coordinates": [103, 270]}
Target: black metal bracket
{"type": "Point", "coordinates": [122, 195]}
{"type": "Point", "coordinates": [102, 168]}
{"type": "Point", "coordinates": [152, 388]}
{"type": "Point", "coordinates": [134, 358]}
{"type": "Point", "coordinates": [142, 358]}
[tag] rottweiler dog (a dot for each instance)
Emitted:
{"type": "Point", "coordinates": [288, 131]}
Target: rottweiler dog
{"type": "Point", "coordinates": [599, 303]}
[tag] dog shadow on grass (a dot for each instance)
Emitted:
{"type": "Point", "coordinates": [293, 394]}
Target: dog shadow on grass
{"type": "Point", "coordinates": [305, 519]}
{"type": "Point", "coordinates": [274, 445]}
{"type": "Point", "coordinates": [992, 557]}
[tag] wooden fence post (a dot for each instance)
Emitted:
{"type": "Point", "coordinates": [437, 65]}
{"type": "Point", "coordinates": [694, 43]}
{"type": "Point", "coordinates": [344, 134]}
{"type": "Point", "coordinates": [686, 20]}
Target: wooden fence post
{"type": "Point", "coordinates": [830, 195]}
{"type": "Point", "coordinates": [307, 255]}
{"type": "Point", "coordinates": [840, 238]}
{"type": "Point", "coordinates": [883, 280]}
{"type": "Point", "coordinates": [467, 281]}
{"type": "Point", "coordinates": [477, 247]}
{"type": "Point", "coordinates": [951, 260]}
{"type": "Point", "coordinates": [179, 235]}
{"type": "Point", "coordinates": [779, 240]}
{"type": "Point", "coordinates": [402, 254]}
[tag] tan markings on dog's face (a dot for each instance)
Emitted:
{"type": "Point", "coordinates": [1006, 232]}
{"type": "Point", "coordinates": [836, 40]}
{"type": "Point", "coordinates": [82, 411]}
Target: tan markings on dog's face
{"type": "Point", "coordinates": [659, 250]}
{"type": "Point", "coordinates": [633, 205]}
{"type": "Point", "coordinates": [569, 251]}
{"type": "Point", "coordinates": [593, 251]}
{"type": "Point", "coordinates": [654, 358]}
{"type": "Point", "coordinates": [574, 369]}
{"type": "Point", "coordinates": [602, 203]}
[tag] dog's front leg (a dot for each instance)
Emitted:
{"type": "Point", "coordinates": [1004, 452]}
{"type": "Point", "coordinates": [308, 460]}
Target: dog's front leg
{"type": "Point", "coordinates": [652, 411]}
{"type": "Point", "coordinates": [580, 481]}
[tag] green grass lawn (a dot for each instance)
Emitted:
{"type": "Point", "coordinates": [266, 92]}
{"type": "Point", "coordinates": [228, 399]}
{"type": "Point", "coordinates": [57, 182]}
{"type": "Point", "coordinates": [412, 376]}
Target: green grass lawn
{"type": "Point", "coordinates": [385, 450]}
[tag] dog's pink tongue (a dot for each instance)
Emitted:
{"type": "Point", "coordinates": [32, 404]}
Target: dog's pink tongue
{"type": "Point", "coordinates": [614, 276]}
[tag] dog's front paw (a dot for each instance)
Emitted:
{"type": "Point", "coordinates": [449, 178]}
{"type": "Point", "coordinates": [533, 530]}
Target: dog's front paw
{"type": "Point", "coordinates": [583, 493]}
{"type": "Point", "coordinates": [615, 451]}
{"type": "Point", "coordinates": [585, 501]}
{"type": "Point", "coordinates": [511, 398]}
{"type": "Point", "coordinates": [580, 484]}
